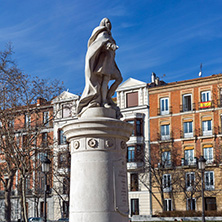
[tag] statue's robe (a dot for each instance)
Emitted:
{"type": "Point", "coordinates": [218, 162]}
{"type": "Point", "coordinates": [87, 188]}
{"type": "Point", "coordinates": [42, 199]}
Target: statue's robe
{"type": "Point", "coordinates": [99, 61]}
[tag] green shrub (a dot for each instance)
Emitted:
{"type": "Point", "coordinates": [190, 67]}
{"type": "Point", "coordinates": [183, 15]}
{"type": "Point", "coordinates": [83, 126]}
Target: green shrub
{"type": "Point", "coordinates": [190, 213]}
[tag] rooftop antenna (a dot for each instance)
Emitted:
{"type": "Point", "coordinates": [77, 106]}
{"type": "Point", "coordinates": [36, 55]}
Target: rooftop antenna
{"type": "Point", "coordinates": [200, 73]}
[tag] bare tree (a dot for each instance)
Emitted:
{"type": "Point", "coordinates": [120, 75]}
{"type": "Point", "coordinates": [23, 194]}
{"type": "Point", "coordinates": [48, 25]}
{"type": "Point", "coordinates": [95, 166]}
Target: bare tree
{"type": "Point", "coordinates": [160, 172]}
{"type": "Point", "coordinates": [21, 125]}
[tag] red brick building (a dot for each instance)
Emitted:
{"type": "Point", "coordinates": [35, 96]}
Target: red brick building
{"type": "Point", "coordinates": [186, 123]}
{"type": "Point", "coordinates": [26, 135]}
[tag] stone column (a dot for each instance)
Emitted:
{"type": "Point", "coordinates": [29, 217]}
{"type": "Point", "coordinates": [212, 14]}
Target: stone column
{"type": "Point", "coordinates": [98, 190]}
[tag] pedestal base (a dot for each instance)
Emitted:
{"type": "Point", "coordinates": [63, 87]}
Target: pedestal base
{"type": "Point", "coordinates": [99, 191]}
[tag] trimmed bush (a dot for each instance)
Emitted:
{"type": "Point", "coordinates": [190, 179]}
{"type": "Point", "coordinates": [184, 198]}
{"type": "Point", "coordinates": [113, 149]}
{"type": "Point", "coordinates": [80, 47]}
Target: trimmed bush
{"type": "Point", "coordinates": [189, 213]}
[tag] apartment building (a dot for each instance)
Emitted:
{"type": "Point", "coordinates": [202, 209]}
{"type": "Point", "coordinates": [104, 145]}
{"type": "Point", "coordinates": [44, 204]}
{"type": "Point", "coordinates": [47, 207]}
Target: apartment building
{"type": "Point", "coordinates": [28, 132]}
{"type": "Point", "coordinates": [64, 107]}
{"type": "Point", "coordinates": [186, 123]}
{"type": "Point", "coordinates": [132, 98]}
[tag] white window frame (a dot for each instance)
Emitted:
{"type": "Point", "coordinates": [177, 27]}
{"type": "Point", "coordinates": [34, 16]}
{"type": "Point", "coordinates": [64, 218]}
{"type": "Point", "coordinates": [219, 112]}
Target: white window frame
{"type": "Point", "coordinates": [164, 106]}
{"type": "Point", "coordinates": [164, 135]}
{"type": "Point", "coordinates": [168, 205]}
{"type": "Point", "coordinates": [205, 126]}
{"type": "Point", "coordinates": [190, 175]}
{"type": "Point", "coordinates": [166, 188]}
{"type": "Point", "coordinates": [27, 120]}
{"type": "Point", "coordinates": [208, 154]}
{"type": "Point", "coordinates": [46, 118]}
{"type": "Point", "coordinates": [207, 175]}
{"type": "Point", "coordinates": [132, 151]}
{"type": "Point", "coordinates": [191, 106]}
{"type": "Point", "coordinates": [205, 96]}
{"type": "Point", "coordinates": [66, 110]}
{"type": "Point", "coordinates": [190, 160]}
{"type": "Point", "coordinates": [189, 132]}
{"type": "Point", "coordinates": [191, 204]}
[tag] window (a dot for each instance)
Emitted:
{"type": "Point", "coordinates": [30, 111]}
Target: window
{"type": "Point", "coordinates": [133, 182]}
{"type": "Point", "coordinates": [134, 153]}
{"type": "Point", "coordinates": [61, 137]}
{"type": "Point", "coordinates": [42, 209]}
{"type": "Point", "coordinates": [27, 121]}
{"type": "Point", "coordinates": [189, 157]}
{"type": "Point", "coordinates": [205, 100]}
{"type": "Point", "coordinates": [134, 207]}
{"type": "Point", "coordinates": [188, 129]}
{"type": "Point", "coordinates": [66, 110]}
{"type": "Point", "coordinates": [209, 180]}
{"type": "Point", "coordinates": [65, 186]}
{"type": "Point", "coordinates": [210, 203]}
{"type": "Point", "coordinates": [139, 153]}
{"type": "Point", "coordinates": [40, 182]}
{"type": "Point", "coordinates": [164, 106]}
{"type": "Point", "coordinates": [11, 123]}
{"type": "Point", "coordinates": [44, 139]}
{"type": "Point", "coordinates": [191, 204]}
{"type": "Point", "coordinates": [62, 160]}
{"type": "Point", "coordinates": [207, 127]}
{"type": "Point", "coordinates": [221, 120]}
{"type": "Point", "coordinates": [166, 158]}
{"type": "Point", "coordinates": [165, 132]}
{"type": "Point", "coordinates": [137, 127]}
{"type": "Point", "coordinates": [132, 99]}
{"type": "Point", "coordinates": [205, 96]}
{"type": "Point", "coordinates": [65, 208]}
{"type": "Point", "coordinates": [167, 205]}
{"type": "Point", "coordinates": [132, 123]}
{"type": "Point", "coordinates": [187, 104]}
{"type": "Point", "coordinates": [166, 182]}
{"type": "Point", "coordinates": [208, 154]}
{"type": "Point", "coordinates": [24, 140]}
{"type": "Point", "coordinates": [131, 154]}
{"type": "Point", "coordinates": [190, 178]}
{"type": "Point", "coordinates": [28, 186]}
{"type": "Point", "coordinates": [46, 118]}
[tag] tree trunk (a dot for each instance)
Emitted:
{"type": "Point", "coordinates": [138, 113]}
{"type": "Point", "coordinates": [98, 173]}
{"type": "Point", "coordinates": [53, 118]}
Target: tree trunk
{"type": "Point", "coordinates": [162, 200]}
{"type": "Point", "coordinates": [23, 200]}
{"type": "Point", "coordinates": [8, 199]}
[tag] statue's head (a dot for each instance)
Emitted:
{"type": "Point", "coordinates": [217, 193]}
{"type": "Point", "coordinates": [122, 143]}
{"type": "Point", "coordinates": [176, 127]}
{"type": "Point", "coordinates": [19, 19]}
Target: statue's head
{"type": "Point", "coordinates": [106, 22]}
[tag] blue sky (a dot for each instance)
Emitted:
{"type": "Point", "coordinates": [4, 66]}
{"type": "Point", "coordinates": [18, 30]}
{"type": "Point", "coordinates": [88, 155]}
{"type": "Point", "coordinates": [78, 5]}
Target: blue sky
{"type": "Point", "coordinates": [170, 37]}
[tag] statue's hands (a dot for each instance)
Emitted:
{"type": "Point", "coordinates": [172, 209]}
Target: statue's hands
{"type": "Point", "coordinates": [112, 46]}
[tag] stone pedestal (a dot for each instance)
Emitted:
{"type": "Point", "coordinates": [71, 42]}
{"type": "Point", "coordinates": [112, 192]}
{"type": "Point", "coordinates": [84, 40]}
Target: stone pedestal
{"type": "Point", "coordinates": [98, 191]}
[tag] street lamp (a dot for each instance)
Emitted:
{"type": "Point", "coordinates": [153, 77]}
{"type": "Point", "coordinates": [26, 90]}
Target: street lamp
{"type": "Point", "coordinates": [45, 169]}
{"type": "Point", "coordinates": [201, 166]}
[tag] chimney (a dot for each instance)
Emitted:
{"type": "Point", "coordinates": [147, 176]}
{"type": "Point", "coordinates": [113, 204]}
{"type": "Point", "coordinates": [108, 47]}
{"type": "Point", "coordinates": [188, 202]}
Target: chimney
{"type": "Point", "coordinates": [157, 81]}
{"type": "Point", "coordinates": [40, 101]}
{"type": "Point", "coordinates": [153, 77]}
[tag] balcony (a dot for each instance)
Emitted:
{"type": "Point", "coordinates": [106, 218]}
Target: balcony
{"type": "Point", "coordinates": [165, 164]}
{"type": "Point", "coordinates": [189, 162]}
{"type": "Point", "coordinates": [184, 108]}
{"type": "Point", "coordinates": [219, 102]}
{"type": "Point", "coordinates": [165, 138]}
{"type": "Point", "coordinates": [134, 165]}
{"type": "Point", "coordinates": [206, 105]}
{"type": "Point", "coordinates": [165, 112]}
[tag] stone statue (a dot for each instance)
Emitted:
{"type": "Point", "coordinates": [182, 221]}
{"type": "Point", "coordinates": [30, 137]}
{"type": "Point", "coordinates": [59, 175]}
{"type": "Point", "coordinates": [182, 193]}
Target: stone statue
{"type": "Point", "coordinates": [100, 68]}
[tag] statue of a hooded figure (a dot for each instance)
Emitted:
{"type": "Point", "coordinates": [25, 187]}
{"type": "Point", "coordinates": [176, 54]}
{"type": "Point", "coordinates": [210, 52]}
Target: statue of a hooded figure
{"type": "Point", "coordinates": [100, 68]}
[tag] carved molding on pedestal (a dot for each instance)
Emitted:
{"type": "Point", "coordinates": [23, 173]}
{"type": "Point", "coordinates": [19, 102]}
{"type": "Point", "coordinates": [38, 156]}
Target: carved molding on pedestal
{"type": "Point", "coordinates": [93, 143]}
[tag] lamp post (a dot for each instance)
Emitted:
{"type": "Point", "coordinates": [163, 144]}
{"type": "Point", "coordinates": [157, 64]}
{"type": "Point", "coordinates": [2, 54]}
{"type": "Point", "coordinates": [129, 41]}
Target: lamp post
{"type": "Point", "coordinates": [45, 169]}
{"type": "Point", "coordinates": [201, 166]}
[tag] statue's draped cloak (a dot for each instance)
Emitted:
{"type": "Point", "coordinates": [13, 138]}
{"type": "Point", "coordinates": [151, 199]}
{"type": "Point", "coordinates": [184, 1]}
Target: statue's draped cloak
{"type": "Point", "coordinates": [99, 61]}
